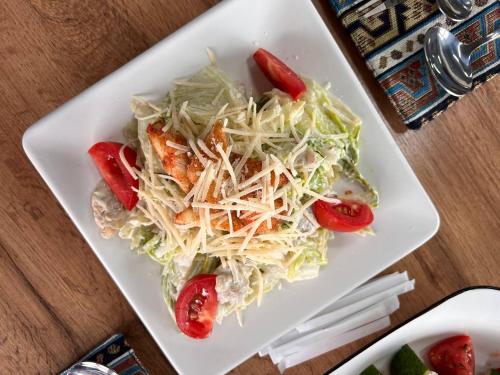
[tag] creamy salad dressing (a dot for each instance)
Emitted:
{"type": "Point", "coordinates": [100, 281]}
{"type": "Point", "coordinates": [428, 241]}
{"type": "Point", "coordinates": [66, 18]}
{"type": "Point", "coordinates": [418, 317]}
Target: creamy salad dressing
{"type": "Point", "coordinates": [109, 213]}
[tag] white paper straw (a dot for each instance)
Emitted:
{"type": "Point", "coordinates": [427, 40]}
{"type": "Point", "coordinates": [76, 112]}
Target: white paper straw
{"type": "Point", "coordinates": [368, 289]}
{"type": "Point", "coordinates": [368, 315]}
{"type": "Point", "coordinates": [349, 309]}
{"type": "Point", "coordinates": [360, 298]}
{"type": "Point", "coordinates": [329, 343]}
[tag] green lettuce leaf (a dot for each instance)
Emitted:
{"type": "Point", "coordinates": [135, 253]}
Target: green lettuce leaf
{"type": "Point", "coordinates": [306, 264]}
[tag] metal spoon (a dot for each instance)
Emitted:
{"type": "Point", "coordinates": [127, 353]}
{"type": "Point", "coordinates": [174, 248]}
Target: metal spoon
{"type": "Point", "coordinates": [449, 59]}
{"type": "Point", "coordinates": [90, 368]}
{"type": "Point", "coordinates": [457, 10]}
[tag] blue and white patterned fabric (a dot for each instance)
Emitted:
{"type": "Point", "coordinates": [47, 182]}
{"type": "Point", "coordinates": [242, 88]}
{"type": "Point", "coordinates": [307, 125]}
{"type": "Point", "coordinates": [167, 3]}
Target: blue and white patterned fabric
{"type": "Point", "coordinates": [392, 44]}
{"type": "Point", "coordinates": [116, 354]}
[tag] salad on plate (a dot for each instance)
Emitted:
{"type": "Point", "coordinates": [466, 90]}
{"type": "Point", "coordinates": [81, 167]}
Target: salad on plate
{"type": "Point", "coordinates": [233, 194]}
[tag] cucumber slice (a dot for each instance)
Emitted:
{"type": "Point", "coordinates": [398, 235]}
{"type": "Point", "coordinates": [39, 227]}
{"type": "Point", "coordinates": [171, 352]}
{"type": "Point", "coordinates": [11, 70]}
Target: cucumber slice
{"type": "Point", "coordinates": [406, 362]}
{"type": "Point", "coordinates": [371, 370]}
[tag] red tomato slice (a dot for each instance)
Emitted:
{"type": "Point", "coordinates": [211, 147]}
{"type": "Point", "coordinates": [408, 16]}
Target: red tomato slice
{"type": "Point", "coordinates": [107, 158]}
{"type": "Point", "coordinates": [347, 216]}
{"type": "Point", "coordinates": [279, 73]}
{"type": "Point", "coordinates": [196, 306]}
{"type": "Point", "coordinates": [453, 356]}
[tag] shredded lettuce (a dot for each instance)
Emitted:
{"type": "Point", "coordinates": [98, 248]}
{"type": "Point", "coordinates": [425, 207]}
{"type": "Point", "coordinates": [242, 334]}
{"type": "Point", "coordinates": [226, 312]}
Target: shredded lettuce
{"type": "Point", "coordinates": [306, 263]}
{"type": "Point", "coordinates": [206, 92]}
{"type": "Point", "coordinates": [322, 178]}
{"type": "Point", "coordinates": [316, 138]}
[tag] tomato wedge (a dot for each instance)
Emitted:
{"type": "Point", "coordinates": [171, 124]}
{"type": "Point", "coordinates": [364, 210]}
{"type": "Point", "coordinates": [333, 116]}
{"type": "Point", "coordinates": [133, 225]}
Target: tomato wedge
{"type": "Point", "coordinates": [106, 155]}
{"type": "Point", "coordinates": [453, 356]}
{"type": "Point", "coordinates": [346, 216]}
{"type": "Point", "coordinates": [279, 73]}
{"type": "Point", "coordinates": [196, 306]}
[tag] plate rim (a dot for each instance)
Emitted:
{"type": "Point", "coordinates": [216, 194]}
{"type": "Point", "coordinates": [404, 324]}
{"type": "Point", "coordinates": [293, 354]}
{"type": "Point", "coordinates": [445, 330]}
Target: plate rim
{"type": "Point", "coordinates": [409, 320]}
{"type": "Point", "coordinates": [34, 158]}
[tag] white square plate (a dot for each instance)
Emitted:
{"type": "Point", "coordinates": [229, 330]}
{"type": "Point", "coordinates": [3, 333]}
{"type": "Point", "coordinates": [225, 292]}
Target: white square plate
{"type": "Point", "coordinates": [292, 29]}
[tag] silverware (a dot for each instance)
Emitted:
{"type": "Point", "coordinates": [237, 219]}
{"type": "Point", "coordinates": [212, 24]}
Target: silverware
{"type": "Point", "coordinates": [456, 10]}
{"type": "Point", "coordinates": [90, 368]}
{"type": "Point", "coordinates": [375, 7]}
{"type": "Point", "coordinates": [449, 59]}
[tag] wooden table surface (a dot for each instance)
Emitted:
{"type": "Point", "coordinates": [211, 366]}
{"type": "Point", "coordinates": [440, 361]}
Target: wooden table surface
{"type": "Point", "coordinates": [57, 301]}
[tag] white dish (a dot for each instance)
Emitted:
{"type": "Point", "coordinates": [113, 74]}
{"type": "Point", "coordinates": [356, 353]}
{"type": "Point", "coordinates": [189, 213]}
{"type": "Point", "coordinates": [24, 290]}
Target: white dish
{"type": "Point", "coordinates": [473, 311]}
{"type": "Point", "coordinates": [292, 29]}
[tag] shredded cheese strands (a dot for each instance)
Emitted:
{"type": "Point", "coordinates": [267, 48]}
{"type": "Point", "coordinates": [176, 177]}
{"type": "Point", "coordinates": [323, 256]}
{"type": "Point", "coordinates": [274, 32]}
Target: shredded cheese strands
{"type": "Point", "coordinates": [221, 112]}
{"type": "Point", "coordinates": [218, 96]}
{"type": "Point", "coordinates": [154, 115]}
{"type": "Point", "coordinates": [245, 157]}
{"type": "Point", "coordinates": [177, 146]}
{"type": "Point", "coordinates": [296, 151]}
{"type": "Point", "coordinates": [253, 134]}
{"type": "Point", "coordinates": [268, 191]}
{"type": "Point", "coordinates": [218, 182]}
{"type": "Point", "coordinates": [258, 206]}
{"type": "Point", "coordinates": [125, 162]}
{"type": "Point", "coordinates": [250, 134]}
{"type": "Point", "coordinates": [287, 174]}
{"type": "Point", "coordinates": [211, 56]}
{"type": "Point", "coordinates": [167, 224]}
{"type": "Point", "coordinates": [197, 152]}
{"type": "Point", "coordinates": [257, 176]}
{"type": "Point", "coordinates": [207, 182]}
{"type": "Point", "coordinates": [254, 227]}
{"type": "Point", "coordinates": [205, 149]}
{"type": "Point", "coordinates": [195, 190]}
{"type": "Point", "coordinates": [227, 163]}
{"type": "Point", "coordinates": [240, 194]}
{"type": "Point", "coordinates": [208, 222]}
{"type": "Point", "coordinates": [235, 207]}
{"type": "Point", "coordinates": [182, 112]}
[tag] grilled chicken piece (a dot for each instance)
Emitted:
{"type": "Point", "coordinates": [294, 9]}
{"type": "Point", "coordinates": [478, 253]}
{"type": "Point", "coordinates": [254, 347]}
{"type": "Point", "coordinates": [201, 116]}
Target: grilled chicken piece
{"type": "Point", "coordinates": [188, 216]}
{"type": "Point", "coordinates": [194, 170]}
{"type": "Point", "coordinates": [173, 161]}
{"type": "Point", "coordinates": [195, 167]}
{"type": "Point", "coordinates": [224, 225]}
{"type": "Point", "coordinates": [215, 136]}
{"type": "Point", "coordinates": [262, 228]}
{"type": "Point", "coordinates": [254, 166]}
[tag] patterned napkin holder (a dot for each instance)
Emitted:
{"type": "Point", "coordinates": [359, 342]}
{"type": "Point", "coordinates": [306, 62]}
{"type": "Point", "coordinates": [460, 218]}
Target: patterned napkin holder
{"type": "Point", "coordinates": [116, 354]}
{"type": "Point", "coordinates": [391, 43]}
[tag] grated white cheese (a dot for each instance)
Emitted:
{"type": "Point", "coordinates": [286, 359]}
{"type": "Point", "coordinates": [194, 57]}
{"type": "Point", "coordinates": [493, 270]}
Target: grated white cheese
{"type": "Point", "coordinates": [227, 163]}
{"type": "Point", "coordinates": [205, 149]}
{"type": "Point", "coordinates": [177, 146]}
{"type": "Point", "coordinates": [255, 133]}
{"type": "Point", "coordinates": [198, 153]}
{"type": "Point", "coordinates": [125, 162]}
{"type": "Point", "coordinates": [257, 176]}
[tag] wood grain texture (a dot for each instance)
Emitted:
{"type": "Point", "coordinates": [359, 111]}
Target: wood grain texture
{"type": "Point", "coordinates": [56, 300]}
